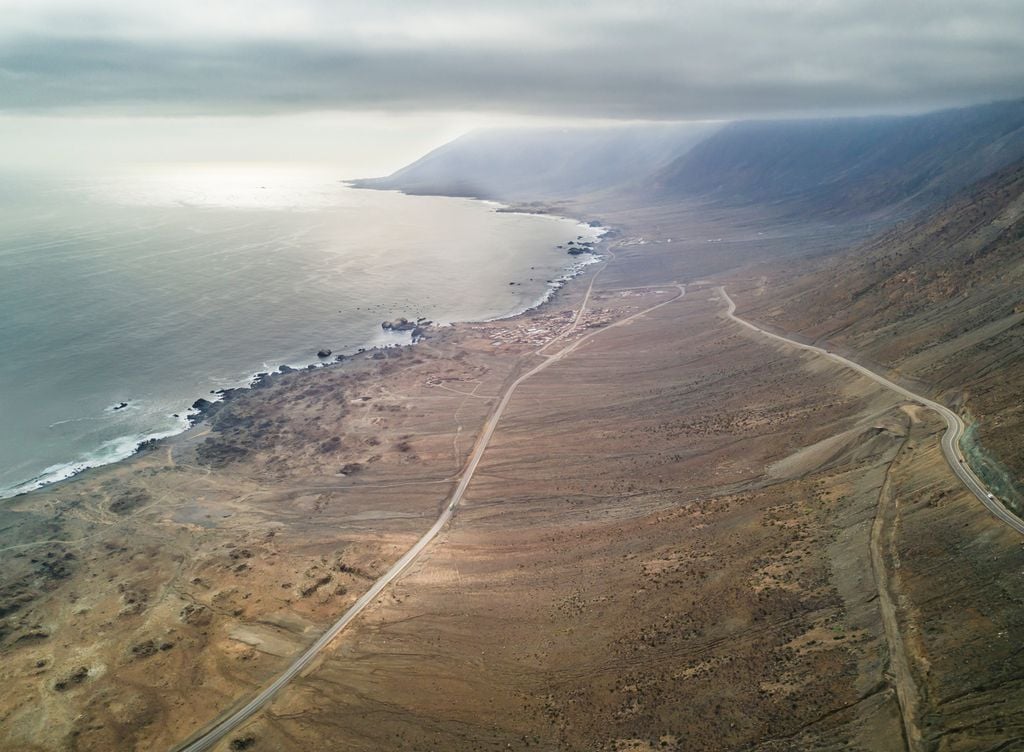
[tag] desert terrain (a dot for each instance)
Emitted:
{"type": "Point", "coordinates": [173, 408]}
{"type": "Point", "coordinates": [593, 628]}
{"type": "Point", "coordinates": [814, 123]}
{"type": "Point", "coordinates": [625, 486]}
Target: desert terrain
{"type": "Point", "coordinates": [733, 547]}
{"type": "Point", "coordinates": [681, 536]}
{"type": "Point", "coordinates": [935, 301]}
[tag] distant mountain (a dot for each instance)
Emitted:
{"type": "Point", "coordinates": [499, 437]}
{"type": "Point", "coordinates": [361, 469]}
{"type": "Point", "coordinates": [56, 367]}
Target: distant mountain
{"type": "Point", "coordinates": [848, 166]}
{"type": "Point", "coordinates": [526, 164]}
{"type": "Point", "coordinates": [839, 169]}
{"type": "Point", "coordinates": [939, 299]}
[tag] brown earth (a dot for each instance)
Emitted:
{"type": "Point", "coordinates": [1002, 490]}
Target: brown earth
{"type": "Point", "coordinates": [938, 301]}
{"type": "Point", "coordinates": [626, 575]}
{"type": "Point", "coordinates": [682, 536]}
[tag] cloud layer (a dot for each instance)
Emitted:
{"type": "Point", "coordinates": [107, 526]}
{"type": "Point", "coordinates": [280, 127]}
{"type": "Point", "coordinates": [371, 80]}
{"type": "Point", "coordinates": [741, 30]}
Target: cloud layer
{"type": "Point", "coordinates": [669, 60]}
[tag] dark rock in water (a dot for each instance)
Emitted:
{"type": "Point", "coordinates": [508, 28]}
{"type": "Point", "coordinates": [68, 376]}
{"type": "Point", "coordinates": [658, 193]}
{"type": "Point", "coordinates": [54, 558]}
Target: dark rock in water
{"type": "Point", "coordinates": [202, 408]}
{"type": "Point", "coordinates": [120, 405]}
{"type": "Point", "coordinates": [285, 369]}
{"type": "Point", "coordinates": [324, 353]}
{"type": "Point", "coordinates": [260, 381]}
{"type": "Point", "coordinates": [418, 333]}
{"type": "Point", "coordinates": [339, 357]}
{"type": "Point", "coordinates": [145, 446]}
{"type": "Point", "coordinates": [400, 324]}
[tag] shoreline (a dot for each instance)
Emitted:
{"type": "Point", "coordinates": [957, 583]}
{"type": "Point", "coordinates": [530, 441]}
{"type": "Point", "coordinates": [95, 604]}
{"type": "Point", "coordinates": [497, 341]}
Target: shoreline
{"type": "Point", "coordinates": [129, 446]}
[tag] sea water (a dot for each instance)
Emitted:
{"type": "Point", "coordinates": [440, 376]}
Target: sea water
{"type": "Point", "coordinates": [153, 287]}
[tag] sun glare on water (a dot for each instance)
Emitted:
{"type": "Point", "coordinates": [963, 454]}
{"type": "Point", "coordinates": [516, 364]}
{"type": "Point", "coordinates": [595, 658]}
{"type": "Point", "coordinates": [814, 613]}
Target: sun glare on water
{"type": "Point", "coordinates": [294, 187]}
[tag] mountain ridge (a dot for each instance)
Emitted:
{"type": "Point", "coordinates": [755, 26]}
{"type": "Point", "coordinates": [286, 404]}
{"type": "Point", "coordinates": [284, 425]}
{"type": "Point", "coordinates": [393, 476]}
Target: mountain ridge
{"type": "Point", "coordinates": [849, 166]}
{"type": "Point", "coordinates": [842, 169]}
{"type": "Point", "coordinates": [936, 298]}
{"type": "Point", "coordinates": [542, 163]}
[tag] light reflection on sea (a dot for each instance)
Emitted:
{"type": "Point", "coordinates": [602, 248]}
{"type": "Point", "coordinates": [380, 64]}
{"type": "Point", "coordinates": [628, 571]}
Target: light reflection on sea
{"type": "Point", "coordinates": [156, 286]}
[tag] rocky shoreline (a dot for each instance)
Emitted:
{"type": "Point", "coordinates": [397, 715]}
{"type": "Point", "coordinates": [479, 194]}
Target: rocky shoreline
{"type": "Point", "coordinates": [417, 328]}
{"type": "Point", "coordinates": [202, 409]}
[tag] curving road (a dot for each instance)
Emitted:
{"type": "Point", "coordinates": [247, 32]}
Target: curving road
{"type": "Point", "coordinates": [954, 425]}
{"type": "Point", "coordinates": [207, 738]}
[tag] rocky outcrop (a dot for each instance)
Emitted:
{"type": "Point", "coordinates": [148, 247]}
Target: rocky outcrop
{"type": "Point", "coordinates": [400, 324]}
{"type": "Point", "coordinates": [417, 329]}
{"type": "Point", "coordinates": [578, 247]}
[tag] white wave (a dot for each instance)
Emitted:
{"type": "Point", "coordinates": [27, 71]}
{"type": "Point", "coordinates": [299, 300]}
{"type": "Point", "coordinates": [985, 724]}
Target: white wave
{"type": "Point", "coordinates": [109, 452]}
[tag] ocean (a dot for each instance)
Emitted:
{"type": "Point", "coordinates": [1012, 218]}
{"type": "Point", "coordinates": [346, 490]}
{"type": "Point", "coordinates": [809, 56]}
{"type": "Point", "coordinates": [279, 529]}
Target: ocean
{"type": "Point", "coordinates": [124, 297]}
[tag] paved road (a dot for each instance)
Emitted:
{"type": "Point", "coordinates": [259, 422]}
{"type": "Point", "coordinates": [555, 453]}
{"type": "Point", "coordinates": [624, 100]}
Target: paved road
{"type": "Point", "coordinates": [954, 425]}
{"type": "Point", "coordinates": [215, 733]}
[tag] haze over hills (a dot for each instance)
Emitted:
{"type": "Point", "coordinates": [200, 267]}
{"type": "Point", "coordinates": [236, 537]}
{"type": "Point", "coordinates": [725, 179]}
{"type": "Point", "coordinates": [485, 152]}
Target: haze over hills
{"type": "Point", "coordinates": [840, 168]}
{"type": "Point", "coordinates": [849, 166]}
{"type": "Point", "coordinates": [526, 164]}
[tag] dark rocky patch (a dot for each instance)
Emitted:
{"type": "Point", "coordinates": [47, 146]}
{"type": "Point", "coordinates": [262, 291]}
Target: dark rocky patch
{"type": "Point", "coordinates": [147, 445]}
{"type": "Point", "coordinates": [196, 615]}
{"type": "Point", "coordinates": [76, 677]}
{"type": "Point", "coordinates": [332, 444]}
{"type": "Point", "coordinates": [315, 585]}
{"type": "Point", "coordinates": [129, 500]}
{"type": "Point", "coordinates": [400, 324]}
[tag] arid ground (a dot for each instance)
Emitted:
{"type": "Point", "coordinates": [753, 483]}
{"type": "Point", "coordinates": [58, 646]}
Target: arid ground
{"type": "Point", "coordinates": [682, 537]}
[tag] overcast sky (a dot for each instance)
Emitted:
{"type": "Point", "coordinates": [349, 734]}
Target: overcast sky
{"type": "Point", "coordinates": [422, 70]}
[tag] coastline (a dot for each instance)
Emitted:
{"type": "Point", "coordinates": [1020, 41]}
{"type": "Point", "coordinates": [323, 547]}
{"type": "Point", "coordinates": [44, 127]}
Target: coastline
{"type": "Point", "coordinates": [126, 447]}
{"type": "Point", "coordinates": [623, 506]}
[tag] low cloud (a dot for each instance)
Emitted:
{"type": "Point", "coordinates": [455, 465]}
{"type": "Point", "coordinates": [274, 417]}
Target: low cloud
{"type": "Point", "coordinates": [654, 60]}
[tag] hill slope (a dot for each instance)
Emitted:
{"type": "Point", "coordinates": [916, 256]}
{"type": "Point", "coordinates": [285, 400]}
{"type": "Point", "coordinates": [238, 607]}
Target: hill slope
{"type": "Point", "coordinates": [850, 166]}
{"type": "Point", "coordinates": [938, 299]}
{"type": "Point", "coordinates": [543, 163]}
